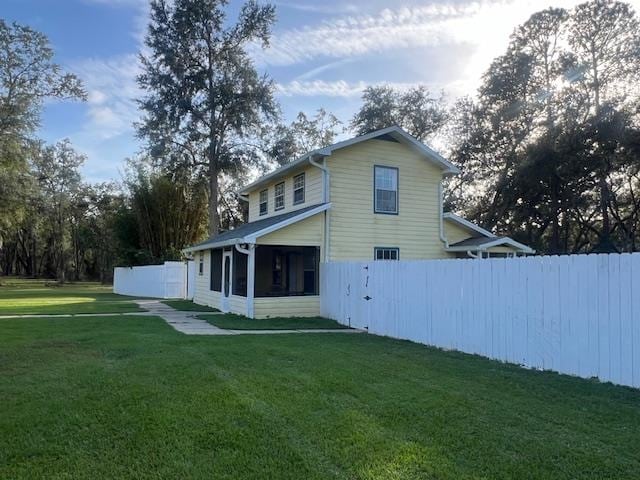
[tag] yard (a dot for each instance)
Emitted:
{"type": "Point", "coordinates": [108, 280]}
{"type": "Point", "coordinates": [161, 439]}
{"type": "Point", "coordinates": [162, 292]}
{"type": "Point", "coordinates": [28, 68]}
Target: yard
{"type": "Point", "coordinates": [36, 297]}
{"type": "Point", "coordinates": [129, 397]}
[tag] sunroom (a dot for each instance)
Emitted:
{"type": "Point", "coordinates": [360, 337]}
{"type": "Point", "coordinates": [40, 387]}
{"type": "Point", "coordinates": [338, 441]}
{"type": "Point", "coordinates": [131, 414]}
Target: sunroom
{"type": "Point", "coordinates": [265, 268]}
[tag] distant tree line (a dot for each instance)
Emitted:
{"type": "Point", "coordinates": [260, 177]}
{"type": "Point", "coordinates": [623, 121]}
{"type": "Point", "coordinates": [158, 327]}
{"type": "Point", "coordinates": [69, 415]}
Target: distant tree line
{"type": "Point", "coordinates": [549, 145]}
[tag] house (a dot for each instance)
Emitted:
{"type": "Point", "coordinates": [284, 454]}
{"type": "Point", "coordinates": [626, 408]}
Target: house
{"type": "Point", "coordinates": [374, 197]}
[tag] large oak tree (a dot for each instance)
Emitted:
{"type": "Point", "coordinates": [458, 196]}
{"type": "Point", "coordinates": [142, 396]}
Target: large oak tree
{"type": "Point", "coordinates": [205, 103]}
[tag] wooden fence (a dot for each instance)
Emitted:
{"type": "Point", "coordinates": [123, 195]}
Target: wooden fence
{"type": "Point", "coordinates": [574, 314]}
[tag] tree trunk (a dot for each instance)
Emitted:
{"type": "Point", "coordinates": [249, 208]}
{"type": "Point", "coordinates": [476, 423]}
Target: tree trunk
{"type": "Point", "coordinates": [214, 218]}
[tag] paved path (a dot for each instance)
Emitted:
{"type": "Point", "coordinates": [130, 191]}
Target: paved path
{"type": "Point", "coordinates": [186, 322]}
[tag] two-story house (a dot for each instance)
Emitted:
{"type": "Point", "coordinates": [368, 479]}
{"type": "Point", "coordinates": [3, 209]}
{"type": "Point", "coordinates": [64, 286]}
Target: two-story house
{"type": "Point", "coordinates": [373, 197]}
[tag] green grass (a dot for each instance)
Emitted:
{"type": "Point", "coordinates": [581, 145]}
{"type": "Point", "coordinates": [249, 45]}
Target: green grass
{"type": "Point", "coordinates": [128, 397]}
{"type": "Point", "coordinates": [39, 297]}
{"type": "Point", "coordinates": [188, 306]}
{"type": "Point", "coordinates": [237, 322]}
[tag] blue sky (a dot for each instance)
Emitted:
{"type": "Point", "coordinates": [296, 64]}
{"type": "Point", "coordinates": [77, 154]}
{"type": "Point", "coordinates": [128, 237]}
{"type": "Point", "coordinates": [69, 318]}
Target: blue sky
{"type": "Point", "coordinates": [322, 54]}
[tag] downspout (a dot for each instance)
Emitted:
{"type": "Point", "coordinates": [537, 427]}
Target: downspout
{"type": "Point", "coordinates": [473, 255]}
{"type": "Point", "coordinates": [443, 237]}
{"type": "Point", "coordinates": [326, 197]}
{"type": "Point", "coordinates": [251, 275]}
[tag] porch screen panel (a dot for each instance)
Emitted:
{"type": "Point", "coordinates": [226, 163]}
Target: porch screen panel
{"type": "Point", "coordinates": [216, 270]}
{"type": "Point", "coordinates": [239, 273]}
{"type": "Point", "coordinates": [285, 271]}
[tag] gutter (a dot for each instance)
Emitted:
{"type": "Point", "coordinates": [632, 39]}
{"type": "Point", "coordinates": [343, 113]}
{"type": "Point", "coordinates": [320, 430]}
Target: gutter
{"type": "Point", "coordinates": [443, 237]}
{"type": "Point", "coordinates": [326, 195]}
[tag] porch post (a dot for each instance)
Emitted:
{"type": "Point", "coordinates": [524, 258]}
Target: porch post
{"type": "Point", "coordinates": [251, 277]}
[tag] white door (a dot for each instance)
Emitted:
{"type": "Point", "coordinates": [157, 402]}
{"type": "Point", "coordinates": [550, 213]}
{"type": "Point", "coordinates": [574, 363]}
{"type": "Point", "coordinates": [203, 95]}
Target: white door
{"type": "Point", "coordinates": [227, 259]}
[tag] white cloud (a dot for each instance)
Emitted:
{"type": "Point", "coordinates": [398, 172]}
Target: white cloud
{"type": "Point", "coordinates": [480, 27]}
{"type": "Point", "coordinates": [362, 34]}
{"type": "Point", "coordinates": [339, 88]}
{"type": "Point", "coordinates": [314, 7]}
{"type": "Point", "coordinates": [112, 88]}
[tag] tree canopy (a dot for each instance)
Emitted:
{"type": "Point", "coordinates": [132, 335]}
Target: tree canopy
{"type": "Point", "coordinates": [205, 102]}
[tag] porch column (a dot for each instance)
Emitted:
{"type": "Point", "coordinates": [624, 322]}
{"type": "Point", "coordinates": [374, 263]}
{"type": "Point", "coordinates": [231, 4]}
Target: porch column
{"type": "Point", "coordinates": [251, 278]}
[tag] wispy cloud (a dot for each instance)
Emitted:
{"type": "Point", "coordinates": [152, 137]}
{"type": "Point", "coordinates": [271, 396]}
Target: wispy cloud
{"type": "Point", "coordinates": [339, 88]}
{"type": "Point", "coordinates": [112, 90]}
{"type": "Point", "coordinates": [361, 34]}
{"type": "Point", "coordinates": [314, 7]}
{"type": "Point", "coordinates": [314, 72]}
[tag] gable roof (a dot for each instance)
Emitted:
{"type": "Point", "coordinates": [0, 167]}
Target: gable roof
{"type": "Point", "coordinates": [466, 224]}
{"type": "Point", "coordinates": [482, 239]}
{"type": "Point", "coordinates": [249, 232]}
{"type": "Point", "coordinates": [483, 243]}
{"type": "Point", "coordinates": [395, 132]}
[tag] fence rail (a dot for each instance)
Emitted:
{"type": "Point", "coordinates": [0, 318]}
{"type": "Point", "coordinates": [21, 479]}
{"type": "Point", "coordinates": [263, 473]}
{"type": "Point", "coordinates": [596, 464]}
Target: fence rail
{"type": "Point", "coordinates": [575, 314]}
{"type": "Point", "coordinates": [170, 280]}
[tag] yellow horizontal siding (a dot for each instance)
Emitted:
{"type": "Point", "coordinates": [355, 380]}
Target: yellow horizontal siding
{"type": "Point", "coordinates": [303, 306]}
{"type": "Point", "coordinates": [303, 233]}
{"type": "Point", "coordinates": [354, 228]}
{"type": "Point", "coordinates": [312, 194]}
{"type": "Point", "coordinates": [238, 304]}
{"type": "Point", "coordinates": [502, 249]}
{"type": "Point", "coordinates": [456, 233]}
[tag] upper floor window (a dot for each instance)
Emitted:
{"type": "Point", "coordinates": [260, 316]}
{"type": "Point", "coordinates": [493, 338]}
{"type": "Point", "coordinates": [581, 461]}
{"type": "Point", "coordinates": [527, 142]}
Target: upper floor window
{"type": "Point", "coordinates": [298, 189]}
{"type": "Point", "coordinates": [386, 253]}
{"type": "Point", "coordinates": [279, 199]}
{"type": "Point", "coordinates": [386, 190]}
{"type": "Point", "coordinates": [264, 202]}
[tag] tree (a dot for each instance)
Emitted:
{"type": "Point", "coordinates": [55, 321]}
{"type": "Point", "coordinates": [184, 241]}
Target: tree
{"type": "Point", "coordinates": [28, 76]}
{"type": "Point", "coordinates": [548, 145]}
{"type": "Point", "coordinates": [205, 101]}
{"type": "Point", "coordinates": [303, 135]}
{"type": "Point", "coordinates": [415, 110]}
{"type": "Point", "coordinates": [166, 213]}
{"type": "Point", "coordinates": [605, 39]}
{"type": "Point", "coordinates": [56, 169]}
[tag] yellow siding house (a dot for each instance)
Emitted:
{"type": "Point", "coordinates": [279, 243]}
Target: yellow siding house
{"type": "Point", "coordinates": [373, 197]}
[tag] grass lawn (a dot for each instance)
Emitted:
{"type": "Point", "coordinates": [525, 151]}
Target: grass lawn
{"type": "Point", "coordinates": [238, 322]}
{"type": "Point", "coordinates": [128, 397]}
{"type": "Point", "coordinates": [188, 306]}
{"type": "Point", "coordinates": [39, 297]}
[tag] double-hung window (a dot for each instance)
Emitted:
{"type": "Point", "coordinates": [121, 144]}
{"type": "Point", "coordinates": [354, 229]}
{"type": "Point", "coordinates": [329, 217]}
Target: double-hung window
{"type": "Point", "coordinates": [279, 198]}
{"type": "Point", "coordinates": [385, 190]}
{"type": "Point", "coordinates": [298, 189]}
{"type": "Point", "coordinates": [264, 202]}
{"type": "Point", "coordinates": [386, 253]}
{"type": "Point", "coordinates": [201, 264]}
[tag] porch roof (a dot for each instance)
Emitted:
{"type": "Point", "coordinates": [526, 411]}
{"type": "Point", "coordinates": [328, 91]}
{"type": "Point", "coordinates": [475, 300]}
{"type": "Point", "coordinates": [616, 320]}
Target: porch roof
{"type": "Point", "coordinates": [249, 232]}
{"type": "Point", "coordinates": [484, 243]}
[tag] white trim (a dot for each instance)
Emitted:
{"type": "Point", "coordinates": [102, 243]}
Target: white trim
{"type": "Point", "coordinates": [466, 223]}
{"type": "Point", "coordinates": [395, 131]}
{"type": "Point", "coordinates": [494, 243]}
{"type": "Point", "coordinates": [250, 251]}
{"type": "Point", "coordinates": [210, 245]}
{"type": "Point", "coordinates": [225, 300]}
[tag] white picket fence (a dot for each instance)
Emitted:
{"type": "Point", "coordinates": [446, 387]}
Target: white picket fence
{"type": "Point", "coordinates": [575, 314]}
{"type": "Point", "coordinates": [170, 280]}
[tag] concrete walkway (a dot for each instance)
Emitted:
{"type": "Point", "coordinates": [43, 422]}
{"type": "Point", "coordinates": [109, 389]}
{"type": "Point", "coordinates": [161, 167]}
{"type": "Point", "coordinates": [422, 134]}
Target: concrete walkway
{"type": "Point", "coordinates": [187, 323]}
{"type": "Point", "coordinates": [184, 322]}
